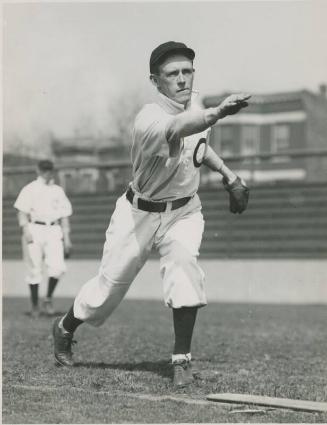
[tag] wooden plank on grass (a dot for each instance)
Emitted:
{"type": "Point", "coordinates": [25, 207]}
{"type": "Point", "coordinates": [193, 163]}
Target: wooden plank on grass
{"type": "Point", "coordinates": [285, 403]}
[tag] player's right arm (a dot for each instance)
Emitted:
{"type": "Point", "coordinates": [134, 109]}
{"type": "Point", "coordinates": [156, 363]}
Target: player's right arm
{"type": "Point", "coordinates": [23, 220]}
{"type": "Point", "coordinates": [153, 128]}
{"type": "Point", "coordinates": [23, 205]}
{"type": "Point", "coordinates": [193, 122]}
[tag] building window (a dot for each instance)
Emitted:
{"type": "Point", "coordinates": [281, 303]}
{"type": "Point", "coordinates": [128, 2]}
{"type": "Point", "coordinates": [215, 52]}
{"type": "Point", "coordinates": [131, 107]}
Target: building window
{"type": "Point", "coordinates": [111, 180]}
{"type": "Point", "coordinates": [226, 141]}
{"type": "Point", "coordinates": [250, 141]}
{"type": "Point", "coordinates": [67, 179]}
{"type": "Point", "coordinates": [76, 181]}
{"type": "Point", "coordinates": [280, 141]}
{"type": "Point", "coordinates": [87, 179]}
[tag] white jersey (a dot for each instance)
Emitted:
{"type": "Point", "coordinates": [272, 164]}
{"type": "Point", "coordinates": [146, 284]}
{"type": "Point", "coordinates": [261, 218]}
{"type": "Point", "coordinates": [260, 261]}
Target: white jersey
{"type": "Point", "coordinates": [43, 202]}
{"type": "Point", "coordinates": [160, 173]}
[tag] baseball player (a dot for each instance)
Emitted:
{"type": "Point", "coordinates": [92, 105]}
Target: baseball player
{"type": "Point", "coordinates": [160, 209]}
{"type": "Point", "coordinates": [43, 211]}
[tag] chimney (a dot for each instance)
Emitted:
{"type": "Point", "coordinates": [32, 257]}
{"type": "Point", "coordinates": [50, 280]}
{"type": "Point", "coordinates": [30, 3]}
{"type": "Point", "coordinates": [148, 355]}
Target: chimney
{"type": "Point", "coordinates": [323, 90]}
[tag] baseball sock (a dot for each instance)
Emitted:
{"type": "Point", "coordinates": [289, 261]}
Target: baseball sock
{"type": "Point", "coordinates": [184, 320]}
{"type": "Point", "coordinates": [34, 294]}
{"type": "Point", "coordinates": [69, 321]}
{"type": "Point", "coordinates": [52, 283]}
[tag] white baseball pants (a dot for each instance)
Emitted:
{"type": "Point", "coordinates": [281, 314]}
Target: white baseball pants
{"type": "Point", "coordinates": [130, 237]}
{"type": "Point", "coordinates": [46, 248]}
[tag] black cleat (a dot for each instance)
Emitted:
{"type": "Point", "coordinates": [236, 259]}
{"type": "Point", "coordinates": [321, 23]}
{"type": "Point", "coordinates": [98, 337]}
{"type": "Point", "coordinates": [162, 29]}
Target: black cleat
{"type": "Point", "coordinates": [62, 345]}
{"type": "Point", "coordinates": [182, 373]}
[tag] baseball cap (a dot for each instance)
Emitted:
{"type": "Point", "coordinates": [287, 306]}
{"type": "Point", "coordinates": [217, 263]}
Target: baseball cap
{"type": "Point", "coordinates": [164, 50]}
{"type": "Point", "coordinates": [45, 165]}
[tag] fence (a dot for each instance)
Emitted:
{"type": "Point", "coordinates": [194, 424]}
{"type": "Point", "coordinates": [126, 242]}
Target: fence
{"type": "Point", "coordinates": [285, 219]}
{"type": "Point", "coordinates": [310, 166]}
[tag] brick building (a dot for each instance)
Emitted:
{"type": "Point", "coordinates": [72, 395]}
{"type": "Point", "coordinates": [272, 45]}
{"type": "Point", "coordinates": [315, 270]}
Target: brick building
{"type": "Point", "coordinates": [274, 124]}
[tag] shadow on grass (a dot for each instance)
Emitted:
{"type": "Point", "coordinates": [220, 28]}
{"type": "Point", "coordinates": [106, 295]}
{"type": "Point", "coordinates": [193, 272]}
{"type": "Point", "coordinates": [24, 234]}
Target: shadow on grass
{"type": "Point", "coordinates": [161, 367]}
{"type": "Point", "coordinates": [45, 315]}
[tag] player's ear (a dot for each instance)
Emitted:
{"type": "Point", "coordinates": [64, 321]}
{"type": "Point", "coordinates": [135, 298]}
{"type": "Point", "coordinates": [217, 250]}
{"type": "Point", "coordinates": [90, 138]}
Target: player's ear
{"type": "Point", "coordinates": [154, 80]}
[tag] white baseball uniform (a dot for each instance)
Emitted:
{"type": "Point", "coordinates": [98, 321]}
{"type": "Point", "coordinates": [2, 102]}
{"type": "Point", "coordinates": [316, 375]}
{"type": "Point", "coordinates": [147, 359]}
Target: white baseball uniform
{"type": "Point", "coordinates": [45, 204]}
{"type": "Point", "coordinates": [161, 173]}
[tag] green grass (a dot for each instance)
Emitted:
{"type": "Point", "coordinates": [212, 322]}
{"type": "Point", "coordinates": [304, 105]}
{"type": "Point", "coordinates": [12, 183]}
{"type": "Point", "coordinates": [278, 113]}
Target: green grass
{"type": "Point", "coordinates": [277, 351]}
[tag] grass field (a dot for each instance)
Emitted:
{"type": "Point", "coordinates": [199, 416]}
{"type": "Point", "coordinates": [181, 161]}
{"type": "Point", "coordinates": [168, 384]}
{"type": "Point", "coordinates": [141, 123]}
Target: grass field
{"type": "Point", "coordinates": [123, 373]}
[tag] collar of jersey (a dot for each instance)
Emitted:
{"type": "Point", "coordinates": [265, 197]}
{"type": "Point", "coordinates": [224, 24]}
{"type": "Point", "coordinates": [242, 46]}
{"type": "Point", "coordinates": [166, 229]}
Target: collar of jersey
{"type": "Point", "coordinates": [170, 105]}
{"type": "Point", "coordinates": [41, 180]}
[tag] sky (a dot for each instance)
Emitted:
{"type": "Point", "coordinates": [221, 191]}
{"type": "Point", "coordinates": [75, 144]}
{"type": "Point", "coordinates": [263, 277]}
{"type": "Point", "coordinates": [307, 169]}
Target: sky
{"type": "Point", "coordinates": [66, 65]}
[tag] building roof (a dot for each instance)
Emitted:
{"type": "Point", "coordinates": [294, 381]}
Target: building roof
{"type": "Point", "coordinates": [290, 100]}
{"type": "Point", "coordinates": [84, 145]}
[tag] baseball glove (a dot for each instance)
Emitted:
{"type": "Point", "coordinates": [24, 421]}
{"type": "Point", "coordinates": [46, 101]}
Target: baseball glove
{"type": "Point", "coordinates": [238, 195]}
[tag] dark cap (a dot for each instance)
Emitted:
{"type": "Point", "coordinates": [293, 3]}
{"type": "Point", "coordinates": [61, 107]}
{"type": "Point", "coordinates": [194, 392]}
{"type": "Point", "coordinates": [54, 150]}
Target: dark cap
{"type": "Point", "coordinates": [164, 50]}
{"type": "Point", "coordinates": [45, 165]}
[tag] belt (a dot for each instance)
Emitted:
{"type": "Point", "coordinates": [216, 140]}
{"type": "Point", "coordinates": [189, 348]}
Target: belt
{"type": "Point", "coordinates": [151, 206]}
{"type": "Point", "coordinates": [44, 223]}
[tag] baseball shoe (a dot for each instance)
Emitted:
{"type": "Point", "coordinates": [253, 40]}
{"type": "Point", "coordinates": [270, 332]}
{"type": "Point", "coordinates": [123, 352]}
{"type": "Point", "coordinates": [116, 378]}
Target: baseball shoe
{"type": "Point", "coordinates": [48, 307]}
{"type": "Point", "coordinates": [62, 345]}
{"type": "Point", "coordinates": [183, 375]}
{"type": "Point", "coordinates": [35, 313]}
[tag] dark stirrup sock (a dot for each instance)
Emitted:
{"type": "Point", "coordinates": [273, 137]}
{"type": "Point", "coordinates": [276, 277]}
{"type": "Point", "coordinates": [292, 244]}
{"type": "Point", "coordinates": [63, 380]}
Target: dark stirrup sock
{"type": "Point", "coordinates": [34, 289]}
{"type": "Point", "coordinates": [184, 320]}
{"type": "Point", "coordinates": [52, 283]}
{"type": "Point", "coordinates": [70, 323]}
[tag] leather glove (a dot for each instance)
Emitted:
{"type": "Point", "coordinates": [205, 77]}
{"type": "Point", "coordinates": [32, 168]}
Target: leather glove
{"type": "Point", "coordinates": [238, 195]}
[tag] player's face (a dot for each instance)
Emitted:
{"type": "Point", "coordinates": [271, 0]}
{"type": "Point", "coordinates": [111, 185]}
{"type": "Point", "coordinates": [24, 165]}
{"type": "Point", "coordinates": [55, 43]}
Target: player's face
{"type": "Point", "coordinates": [175, 78]}
{"type": "Point", "coordinates": [47, 175]}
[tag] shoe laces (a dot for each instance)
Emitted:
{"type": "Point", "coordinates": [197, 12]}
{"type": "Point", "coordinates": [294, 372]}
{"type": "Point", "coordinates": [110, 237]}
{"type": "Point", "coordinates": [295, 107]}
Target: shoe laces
{"type": "Point", "coordinates": [66, 342]}
{"type": "Point", "coordinates": [182, 364]}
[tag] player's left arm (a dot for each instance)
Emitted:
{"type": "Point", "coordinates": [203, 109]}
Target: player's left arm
{"type": "Point", "coordinates": [65, 225]}
{"type": "Point", "coordinates": [66, 211]}
{"type": "Point", "coordinates": [234, 185]}
{"type": "Point", "coordinates": [215, 163]}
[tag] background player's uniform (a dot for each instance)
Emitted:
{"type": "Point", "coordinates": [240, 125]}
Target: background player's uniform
{"type": "Point", "coordinates": [45, 204]}
{"type": "Point", "coordinates": [161, 173]}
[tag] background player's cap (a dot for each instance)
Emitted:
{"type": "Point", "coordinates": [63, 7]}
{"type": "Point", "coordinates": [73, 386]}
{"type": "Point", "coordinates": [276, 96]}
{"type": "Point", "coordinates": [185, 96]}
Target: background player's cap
{"type": "Point", "coordinates": [161, 52]}
{"type": "Point", "coordinates": [45, 165]}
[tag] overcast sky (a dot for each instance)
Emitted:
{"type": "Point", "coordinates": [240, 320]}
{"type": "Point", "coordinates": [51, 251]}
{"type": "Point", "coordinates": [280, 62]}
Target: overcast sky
{"type": "Point", "coordinates": [65, 63]}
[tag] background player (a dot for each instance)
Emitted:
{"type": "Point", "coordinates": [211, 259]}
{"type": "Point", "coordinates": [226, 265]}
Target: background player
{"type": "Point", "coordinates": [43, 211]}
{"type": "Point", "coordinates": [161, 209]}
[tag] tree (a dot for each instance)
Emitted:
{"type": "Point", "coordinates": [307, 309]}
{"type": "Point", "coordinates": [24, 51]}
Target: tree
{"type": "Point", "coordinates": [38, 147]}
{"type": "Point", "coordinates": [123, 111]}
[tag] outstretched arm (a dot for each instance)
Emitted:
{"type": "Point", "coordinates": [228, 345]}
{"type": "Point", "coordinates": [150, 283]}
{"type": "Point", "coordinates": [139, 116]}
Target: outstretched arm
{"type": "Point", "coordinates": [192, 122]}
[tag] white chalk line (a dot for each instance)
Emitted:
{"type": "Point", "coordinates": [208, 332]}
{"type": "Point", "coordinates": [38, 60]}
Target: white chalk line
{"type": "Point", "coordinates": [141, 396]}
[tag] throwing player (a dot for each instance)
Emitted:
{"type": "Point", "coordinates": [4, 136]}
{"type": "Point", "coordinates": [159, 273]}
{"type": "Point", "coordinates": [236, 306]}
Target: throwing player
{"type": "Point", "coordinates": [43, 211]}
{"type": "Point", "coordinates": [160, 209]}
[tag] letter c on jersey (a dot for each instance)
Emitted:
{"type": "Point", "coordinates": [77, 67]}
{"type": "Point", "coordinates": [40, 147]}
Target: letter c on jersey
{"type": "Point", "coordinates": [199, 153]}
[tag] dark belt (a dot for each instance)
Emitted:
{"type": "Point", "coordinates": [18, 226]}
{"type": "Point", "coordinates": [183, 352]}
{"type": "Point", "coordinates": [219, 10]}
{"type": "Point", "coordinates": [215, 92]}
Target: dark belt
{"type": "Point", "coordinates": [45, 224]}
{"type": "Point", "coordinates": [150, 206]}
